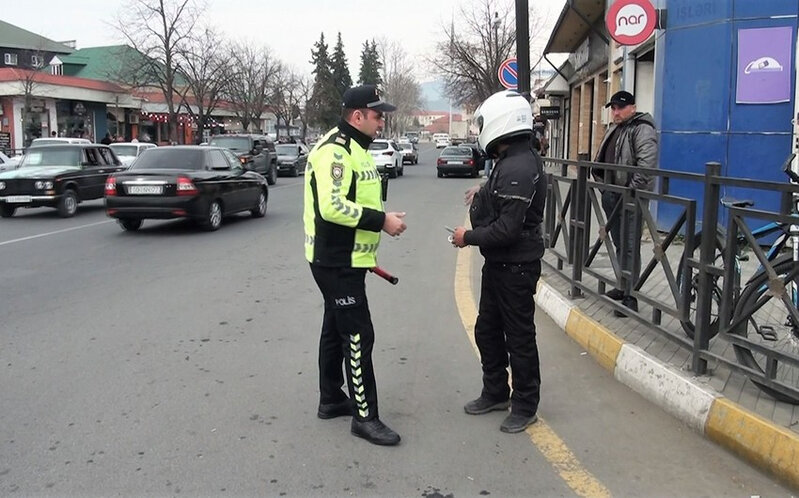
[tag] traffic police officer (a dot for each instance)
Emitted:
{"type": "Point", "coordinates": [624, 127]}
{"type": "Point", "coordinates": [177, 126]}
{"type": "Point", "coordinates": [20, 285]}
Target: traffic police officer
{"type": "Point", "coordinates": [343, 217]}
{"type": "Point", "coordinates": [506, 214]}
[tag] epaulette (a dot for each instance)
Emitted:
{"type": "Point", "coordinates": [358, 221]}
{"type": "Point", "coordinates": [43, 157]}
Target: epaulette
{"type": "Point", "coordinates": [339, 139]}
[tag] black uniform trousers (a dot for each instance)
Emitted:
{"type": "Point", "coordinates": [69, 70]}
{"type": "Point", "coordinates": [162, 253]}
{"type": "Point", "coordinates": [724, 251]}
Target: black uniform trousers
{"type": "Point", "coordinates": [624, 247]}
{"type": "Point", "coordinates": [504, 328]}
{"type": "Point", "coordinates": [347, 338]}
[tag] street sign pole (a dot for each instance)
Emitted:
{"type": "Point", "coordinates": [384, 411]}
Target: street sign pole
{"type": "Point", "coordinates": [523, 48]}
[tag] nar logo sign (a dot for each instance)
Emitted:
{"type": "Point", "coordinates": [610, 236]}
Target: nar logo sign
{"type": "Point", "coordinates": [631, 22]}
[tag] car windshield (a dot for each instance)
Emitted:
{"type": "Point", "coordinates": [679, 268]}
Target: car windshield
{"type": "Point", "coordinates": [405, 146]}
{"type": "Point", "coordinates": [170, 158]}
{"type": "Point", "coordinates": [52, 156]}
{"type": "Point", "coordinates": [286, 150]}
{"type": "Point", "coordinates": [124, 150]}
{"type": "Point", "coordinates": [378, 146]}
{"type": "Point", "coordinates": [456, 151]}
{"type": "Point", "coordinates": [235, 143]}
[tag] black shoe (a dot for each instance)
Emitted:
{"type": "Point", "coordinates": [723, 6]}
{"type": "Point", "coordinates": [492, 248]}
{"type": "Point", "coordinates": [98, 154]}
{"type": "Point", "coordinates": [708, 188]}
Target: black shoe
{"type": "Point", "coordinates": [482, 405]}
{"type": "Point", "coordinates": [375, 431]}
{"type": "Point", "coordinates": [333, 410]}
{"type": "Point", "coordinates": [615, 294]}
{"type": "Point", "coordinates": [517, 423]}
{"type": "Point", "coordinates": [629, 302]}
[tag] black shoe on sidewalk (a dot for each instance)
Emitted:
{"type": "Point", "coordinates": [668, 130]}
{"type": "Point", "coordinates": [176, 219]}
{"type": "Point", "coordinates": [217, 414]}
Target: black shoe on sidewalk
{"type": "Point", "coordinates": [615, 294]}
{"type": "Point", "coordinates": [482, 405]}
{"type": "Point", "coordinates": [517, 423]}
{"type": "Point", "coordinates": [629, 302]}
{"type": "Point", "coordinates": [375, 431]}
{"type": "Point", "coordinates": [333, 410]}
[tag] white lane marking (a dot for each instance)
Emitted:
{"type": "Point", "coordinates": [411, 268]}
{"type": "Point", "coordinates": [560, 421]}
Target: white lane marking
{"type": "Point", "coordinates": [23, 239]}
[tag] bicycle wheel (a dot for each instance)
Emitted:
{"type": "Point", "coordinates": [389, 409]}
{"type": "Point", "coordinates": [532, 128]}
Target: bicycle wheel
{"type": "Point", "coordinates": [689, 326]}
{"type": "Point", "coordinates": [769, 325]}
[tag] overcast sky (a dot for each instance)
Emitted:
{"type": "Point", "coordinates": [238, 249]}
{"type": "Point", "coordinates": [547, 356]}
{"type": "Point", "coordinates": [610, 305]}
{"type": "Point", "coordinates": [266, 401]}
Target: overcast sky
{"type": "Point", "coordinates": [288, 28]}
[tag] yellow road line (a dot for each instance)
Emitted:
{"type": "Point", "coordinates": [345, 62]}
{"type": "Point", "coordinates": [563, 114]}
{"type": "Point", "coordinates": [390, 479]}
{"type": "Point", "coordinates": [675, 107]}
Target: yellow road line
{"type": "Point", "coordinates": [582, 482]}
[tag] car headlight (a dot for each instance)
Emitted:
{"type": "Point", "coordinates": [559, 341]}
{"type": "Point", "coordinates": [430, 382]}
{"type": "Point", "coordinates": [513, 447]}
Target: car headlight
{"type": "Point", "coordinates": [40, 185]}
{"type": "Point", "coordinates": [2, 185]}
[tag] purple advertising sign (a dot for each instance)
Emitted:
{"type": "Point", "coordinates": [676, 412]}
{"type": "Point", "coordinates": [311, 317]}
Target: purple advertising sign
{"type": "Point", "coordinates": [764, 65]}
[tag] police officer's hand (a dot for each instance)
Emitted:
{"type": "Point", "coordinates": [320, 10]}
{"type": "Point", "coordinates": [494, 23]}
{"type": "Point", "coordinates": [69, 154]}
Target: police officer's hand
{"type": "Point", "coordinates": [467, 199]}
{"type": "Point", "coordinates": [394, 224]}
{"type": "Point", "coordinates": [457, 237]}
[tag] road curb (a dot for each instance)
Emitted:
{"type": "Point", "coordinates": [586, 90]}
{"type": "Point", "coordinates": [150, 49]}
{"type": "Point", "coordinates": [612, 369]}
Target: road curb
{"type": "Point", "coordinates": [760, 441]}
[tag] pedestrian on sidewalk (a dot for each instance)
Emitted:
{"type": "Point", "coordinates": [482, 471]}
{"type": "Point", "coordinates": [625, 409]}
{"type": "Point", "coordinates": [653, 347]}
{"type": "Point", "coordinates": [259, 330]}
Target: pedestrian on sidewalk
{"type": "Point", "coordinates": [630, 141]}
{"type": "Point", "coordinates": [343, 217]}
{"type": "Point", "coordinates": [506, 214]}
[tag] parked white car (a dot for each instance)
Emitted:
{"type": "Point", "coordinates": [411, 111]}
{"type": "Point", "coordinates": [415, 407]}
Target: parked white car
{"type": "Point", "coordinates": [442, 140]}
{"type": "Point", "coordinates": [127, 152]}
{"type": "Point", "coordinates": [387, 156]}
{"type": "Point", "coordinates": [59, 141]}
{"type": "Point", "coordinates": [8, 163]}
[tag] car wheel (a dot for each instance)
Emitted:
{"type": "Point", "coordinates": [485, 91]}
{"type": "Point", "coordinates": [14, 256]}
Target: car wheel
{"type": "Point", "coordinates": [272, 178]}
{"type": "Point", "coordinates": [130, 224]}
{"type": "Point", "coordinates": [213, 217]}
{"type": "Point", "coordinates": [68, 204]}
{"type": "Point", "coordinates": [259, 211]}
{"type": "Point", "coordinates": [401, 171]}
{"type": "Point", "coordinates": [474, 173]}
{"type": "Point", "coordinates": [7, 210]}
{"type": "Point", "coordinates": [392, 173]}
{"type": "Point", "coordinates": [440, 174]}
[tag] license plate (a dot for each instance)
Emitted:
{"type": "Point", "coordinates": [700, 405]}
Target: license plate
{"type": "Point", "coordinates": [18, 198]}
{"type": "Point", "coordinates": [145, 189]}
{"type": "Point", "coordinates": [454, 162]}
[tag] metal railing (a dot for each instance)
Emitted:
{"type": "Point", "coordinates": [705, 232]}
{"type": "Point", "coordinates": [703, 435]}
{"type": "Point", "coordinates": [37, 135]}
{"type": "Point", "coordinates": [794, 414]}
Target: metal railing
{"type": "Point", "coordinates": [692, 290]}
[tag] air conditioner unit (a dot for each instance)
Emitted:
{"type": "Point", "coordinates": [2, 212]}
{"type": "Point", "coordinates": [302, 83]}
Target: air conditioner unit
{"type": "Point", "coordinates": [133, 118]}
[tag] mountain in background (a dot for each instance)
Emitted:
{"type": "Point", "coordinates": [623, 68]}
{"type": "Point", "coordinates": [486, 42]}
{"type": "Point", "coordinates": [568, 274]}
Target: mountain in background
{"type": "Point", "coordinates": [434, 99]}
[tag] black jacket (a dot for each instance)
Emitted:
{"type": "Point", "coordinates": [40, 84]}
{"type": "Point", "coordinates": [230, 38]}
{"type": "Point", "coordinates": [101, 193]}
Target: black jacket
{"type": "Point", "coordinates": [507, 211]}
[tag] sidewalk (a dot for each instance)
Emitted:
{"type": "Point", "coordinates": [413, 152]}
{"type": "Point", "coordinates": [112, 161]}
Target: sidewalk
{"type": "Point", "coordinates": [724, 405]}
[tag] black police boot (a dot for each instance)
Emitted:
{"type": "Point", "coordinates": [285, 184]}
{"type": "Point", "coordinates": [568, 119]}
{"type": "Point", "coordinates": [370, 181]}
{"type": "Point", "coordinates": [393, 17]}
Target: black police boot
{"type": "Point", "coordinates": [517, 423]}
{"type": "Point", "coordinates": [629, 302]}
{"type": "Point", "coordinates": [615, 294]}
{"type": "Point", "coordinates": [483, 405]}
{"type": "Point", "coordinates": [375, 431]}
{"type": "Point", "coordinates": [333, 410]}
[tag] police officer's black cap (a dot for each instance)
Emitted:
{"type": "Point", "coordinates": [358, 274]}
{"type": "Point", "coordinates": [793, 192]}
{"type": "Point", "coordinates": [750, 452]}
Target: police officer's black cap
{"type": "Point", "coordinates": [621, 99]}
{"type": "Point", "coordinates": [366, 97]}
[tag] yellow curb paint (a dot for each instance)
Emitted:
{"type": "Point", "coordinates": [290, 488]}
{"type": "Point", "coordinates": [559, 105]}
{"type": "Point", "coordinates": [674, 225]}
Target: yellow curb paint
{"type": "Point", "coordinates": [552, 447]}
{"type": "Point", "coordinates": [596, 339]}
{"type": "Point", "coordinates": [774, 449]}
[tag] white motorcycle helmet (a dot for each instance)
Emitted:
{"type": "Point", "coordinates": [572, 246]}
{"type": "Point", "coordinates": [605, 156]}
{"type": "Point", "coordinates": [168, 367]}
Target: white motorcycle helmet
{"type": "Point", "coordinates": [502, 115]}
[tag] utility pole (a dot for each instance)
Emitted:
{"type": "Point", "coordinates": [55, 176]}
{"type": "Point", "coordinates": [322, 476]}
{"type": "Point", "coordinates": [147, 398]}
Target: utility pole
{"type": "Point", "coordinates": [523, 47]}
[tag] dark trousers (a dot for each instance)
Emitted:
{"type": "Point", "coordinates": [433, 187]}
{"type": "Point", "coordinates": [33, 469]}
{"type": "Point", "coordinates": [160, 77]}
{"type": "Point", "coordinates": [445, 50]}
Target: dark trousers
{"type": "Point", "coordinates": [505, 328]}
{"type": "Point", "coordinates": [347, 339]}
{"type": "Point", "coordinates": [624, 248]}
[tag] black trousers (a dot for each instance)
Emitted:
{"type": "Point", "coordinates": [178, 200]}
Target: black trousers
{"type": "Point", "coordinates": [624, 247]}
{"type": "Point", "coordinates": [347, 339]}
{"type": "Point", "coordinates": [505, 329]}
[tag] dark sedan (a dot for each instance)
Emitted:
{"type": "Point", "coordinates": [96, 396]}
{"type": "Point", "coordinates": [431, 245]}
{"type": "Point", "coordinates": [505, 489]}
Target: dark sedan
{"type": "Point", "coordinates": [204, 184]}
{"type": "Point", "coordinates": [58, 176]}
{"type": "Point", "coordinates": [291, 158]}
{"type": "Point", "coordinates": [460, 160]}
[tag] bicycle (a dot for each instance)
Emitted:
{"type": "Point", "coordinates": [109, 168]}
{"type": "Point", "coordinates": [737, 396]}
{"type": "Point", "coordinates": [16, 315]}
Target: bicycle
{"type": "Point", "coordinates": [755, 314]}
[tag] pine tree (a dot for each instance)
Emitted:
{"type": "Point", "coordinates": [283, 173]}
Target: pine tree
{"type": "Point", "coordinates": [341, 72]}
{"type": "Point", "coordinates": [325, 99]}
{"type": "Point", "coordinates": [370, 65]}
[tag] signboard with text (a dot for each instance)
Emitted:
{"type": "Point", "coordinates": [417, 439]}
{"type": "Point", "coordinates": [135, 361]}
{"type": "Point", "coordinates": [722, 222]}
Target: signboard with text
{"type": "Point", "coordinates": [631, 22]}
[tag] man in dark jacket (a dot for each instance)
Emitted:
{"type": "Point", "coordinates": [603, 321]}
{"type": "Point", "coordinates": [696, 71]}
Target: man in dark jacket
{"type": "Point", "coordinates": [506, 214]}
{"type": "Point", "coordinates": [630, 141]}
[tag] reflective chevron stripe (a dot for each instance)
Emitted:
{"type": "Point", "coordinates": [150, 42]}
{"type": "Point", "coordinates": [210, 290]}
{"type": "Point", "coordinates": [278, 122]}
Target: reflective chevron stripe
{"type": "Point", "coordinates": [356, 374]}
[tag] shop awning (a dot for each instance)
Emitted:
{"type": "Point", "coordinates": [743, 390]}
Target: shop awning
{"type": "Point", "coordinates": [572, 28]}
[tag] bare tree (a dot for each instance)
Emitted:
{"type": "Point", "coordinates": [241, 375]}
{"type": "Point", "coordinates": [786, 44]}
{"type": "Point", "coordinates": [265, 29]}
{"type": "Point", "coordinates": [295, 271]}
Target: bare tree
{"type": "Point", "coordinates": [304, 91]}
{"type": "Point", "coordinates": [287, 97]}
{"type": "Point", "coordinates": [160, 30]}
{"type": "Point", "coordinates": [469, 56]}
{"type": "Point", "coordinates": [399, 86]}
{"type": "Point", "coordinates": [253, 78]}
{"type": "Point", "coordinates": [206, 69]}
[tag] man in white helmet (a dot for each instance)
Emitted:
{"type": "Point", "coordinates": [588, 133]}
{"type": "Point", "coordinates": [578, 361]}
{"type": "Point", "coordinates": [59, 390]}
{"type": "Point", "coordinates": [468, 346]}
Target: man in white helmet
{"type": "Point", "coordinates": [506, 214]}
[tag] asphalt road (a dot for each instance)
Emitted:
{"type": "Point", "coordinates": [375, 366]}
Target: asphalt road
{"type": "Point", "coordinates": [177, 362]}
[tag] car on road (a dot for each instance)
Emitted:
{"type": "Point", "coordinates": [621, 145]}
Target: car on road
{"type": "Point", "coordinates": [127, 152]}
{"type": "Point", "coordinates": [255, 152]}
{"type": "Point", "coordinates": [58, 176]}
{"type": "Point", "coordinates": [202, 183]}
{"type": "Point", "coordinates": [7, 163]}
{"type": "Point", "coordinates": [457, 160]}
{"type": "Point", "coordinates": [441, 140]}
{"type": "Point", "coordinates": [387, 156]}
{"type": "Point", "coordinates": [410, 153]}
{"type": "Point", "coordinates": [59, 141]}
{"type": "Point", "coordinates": [291, 158]}
{"type": "Point", "coordinates": [480, 157]}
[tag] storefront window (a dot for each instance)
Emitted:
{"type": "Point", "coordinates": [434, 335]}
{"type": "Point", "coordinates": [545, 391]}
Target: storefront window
{"type": "Point", "coordinates": [74, 120]}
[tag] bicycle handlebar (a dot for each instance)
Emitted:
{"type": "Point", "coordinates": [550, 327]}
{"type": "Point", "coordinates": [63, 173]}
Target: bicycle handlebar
{"type": "Point", "coordinates": [786, 167]}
